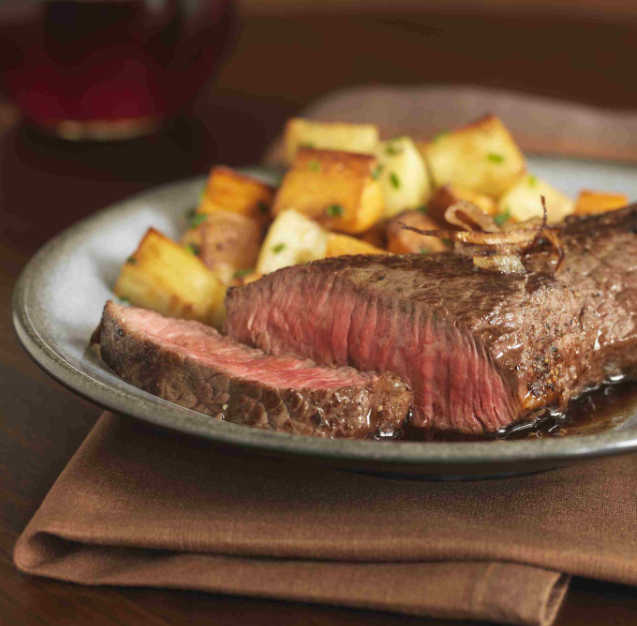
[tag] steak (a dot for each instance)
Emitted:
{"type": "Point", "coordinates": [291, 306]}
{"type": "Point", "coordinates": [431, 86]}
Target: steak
{"type": "Point", "coordinates": [196, 367]}
{"type": "Point", "coordinates": [479, 350]}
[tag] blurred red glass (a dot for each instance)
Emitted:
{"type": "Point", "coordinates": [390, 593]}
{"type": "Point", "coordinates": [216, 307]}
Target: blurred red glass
{"type": "Point", "coordinates": [109, 69]}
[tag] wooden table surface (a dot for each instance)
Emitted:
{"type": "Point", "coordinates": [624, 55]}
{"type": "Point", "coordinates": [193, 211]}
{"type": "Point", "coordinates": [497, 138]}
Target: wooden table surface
{"type": "Point", "coordinates": [47, 184]}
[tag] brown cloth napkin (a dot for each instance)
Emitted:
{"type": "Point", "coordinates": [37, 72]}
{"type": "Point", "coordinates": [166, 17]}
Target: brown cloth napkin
{"type": "Point", "coordinates": [139, 505]}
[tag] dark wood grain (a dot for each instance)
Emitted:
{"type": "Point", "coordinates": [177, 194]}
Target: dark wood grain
{"type": "Point", "coordinates": [47, 184]}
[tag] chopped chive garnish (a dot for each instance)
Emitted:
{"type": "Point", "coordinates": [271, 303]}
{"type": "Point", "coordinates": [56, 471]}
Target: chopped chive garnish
{"type": "Point", "coordinates": [240, 273]}
{"type": "Point", "coordinates": [439, 136]}
{"type": "Point", "coordinates": [532, 181]}
{"type": "Point", "coordinates": [395, 181]}
{"type": "Point", "coordinates": [314, 166]}
{"type": "Point", "coordinates": [308, 144]}
{"type": "Point", "coordinates": [197, 219]}
{"type": "Point", "coordinates": [424, 250]}
{"type": "Point", "coordinates": [447, 242]}
{"type": "Point", "coordinates": [494, 157]}
{"type": "Point", "coordinates": [376, 172]}
{"type": "Point", "coordinates": [334, 210]}
{"type": "Point", "coordinates": [193, 248]}
{"type": "Point", "coordinates": [132, 260]}
{"type": "Point", "coordinates": [500, 218]}
{"type": "Point", "coordinates": [278, 248]}
{"type": "Point", "coordinates": [423, 209]}
{"type": "Point", "coordinates": [393, 150]}
{"type": "Point", "coordinates": [202, 193]}
{"type": "Point", "coordinates": [263, 206]}
{"type": "Point", "coordinates": [124, 300]}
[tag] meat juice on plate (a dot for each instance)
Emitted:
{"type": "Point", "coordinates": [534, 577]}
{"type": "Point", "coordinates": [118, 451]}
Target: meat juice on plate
{"type": "Point", "coordinates": [103, 69]}
{"type": "Point", "coordinates": [601, 409]}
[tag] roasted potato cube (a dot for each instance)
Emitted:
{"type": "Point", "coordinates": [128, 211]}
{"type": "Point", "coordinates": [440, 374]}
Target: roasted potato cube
{"type": "Point", "coordinates": [592, 202]}
{"type": "Point", "coordinates": [523, 201]}
{"type": "Point", "coordinates": [292, 239]}
{"type": "Point", "coordinates": [447, 195]}
{"type": "Point", "coordinates": [334, 188]}
{"type": "Point", "coordinates": [403, 176]}
{"type": "Point", "coordinates": [230, 242]}
{"type": "Point", "coordinates": [401, 241]}
{"type": "Point", "coordinates": [163, 276]}
{"type": "Point", "coordinates": [482, 157]}
{"type": "Point", "coordinates": [375, 236]}
{"type": "Point", "coordinates": [193, 236]}
{"type": "Point", "coordinates": [228, 190]}
{"type": "Point", "coordinates": [300, 133]}
{"type": "Point", "coordinates": [340, 245]}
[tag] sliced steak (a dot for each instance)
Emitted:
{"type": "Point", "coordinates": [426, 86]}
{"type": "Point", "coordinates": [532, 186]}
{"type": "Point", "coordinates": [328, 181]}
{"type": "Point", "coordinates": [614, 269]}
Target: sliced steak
{"type": "Point", "coordinates": [479, 349]}
{"type": "Point", "coordinates": [194, 366]}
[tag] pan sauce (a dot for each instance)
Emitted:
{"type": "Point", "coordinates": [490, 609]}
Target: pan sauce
{"type": "Point", "coordinates": [595, 411]}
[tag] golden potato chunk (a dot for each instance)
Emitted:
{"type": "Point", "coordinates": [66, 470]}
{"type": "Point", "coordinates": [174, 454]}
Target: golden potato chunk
{"type": "Point", "coordinates": [232, 192]}
{"type": "Point", "coordinates": [523, 202]}
{"type": "Point", "coordinates": [163, 276]}
{"type": "Point", "coordinates": [401, 241]}
{"type": "Point", "coordinates": [334, 188]}
{"type": "Point", "coordinates": [375, 236]}
{"type": "Point", "coordinates": [340, 245]}
{"type": "Point", "coordinates": [482, 157]}
{"type": "Point", "coordinates": [592, 202]}
{"type": "Point", "coordinates": [302, 133]}
{"type": "Point", "coordinates": [403, 176]}
{"type": "Point", "coordinates": [292, 239]}
{"type": "Point", "coordinates": [447, 195]}
{"type": "Point", "coordinates": [230, 242]}
{"type": "Point", "coordinates": [229, 190]}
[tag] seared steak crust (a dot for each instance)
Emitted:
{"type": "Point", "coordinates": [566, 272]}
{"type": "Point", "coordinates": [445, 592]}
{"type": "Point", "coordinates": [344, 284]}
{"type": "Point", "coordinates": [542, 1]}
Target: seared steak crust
{"type": "Point", "coordinates": [196, 367]}
{"type": "Point", "coordinates": [479, 349]}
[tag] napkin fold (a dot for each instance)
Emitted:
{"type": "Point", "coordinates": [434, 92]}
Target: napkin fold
{"type": "Point", "coordinates": [140, 505]}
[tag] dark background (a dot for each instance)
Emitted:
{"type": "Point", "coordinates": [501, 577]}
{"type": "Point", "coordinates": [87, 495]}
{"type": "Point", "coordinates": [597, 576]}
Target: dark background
{"type": "Point", "coordinates": [577, 51]}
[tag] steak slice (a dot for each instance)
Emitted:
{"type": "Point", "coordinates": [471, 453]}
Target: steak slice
{"type": "Point", "coordinates": [479, 349]}
{"type": "Point", "coordinates": [196, 367]}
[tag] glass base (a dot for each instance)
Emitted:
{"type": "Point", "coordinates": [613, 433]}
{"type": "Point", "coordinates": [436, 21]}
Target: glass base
{"type": "Point", "coordinates": [106, 130]}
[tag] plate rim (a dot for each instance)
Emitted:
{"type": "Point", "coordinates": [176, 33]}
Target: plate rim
{"type": "Point", "coordinates": [128, 400]}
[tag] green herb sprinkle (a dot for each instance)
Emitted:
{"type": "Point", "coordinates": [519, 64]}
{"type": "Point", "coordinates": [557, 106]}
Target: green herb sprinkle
{"type": "Point", "coordinates": [501, 218]}
{"type": "Point", "coordinates": [197, 219]}
{"type": "Point", "coordinates": [377, 171]}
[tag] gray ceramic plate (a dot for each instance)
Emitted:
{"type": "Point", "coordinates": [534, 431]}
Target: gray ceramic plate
{"type": "Point", "coordinates": [59, 298]}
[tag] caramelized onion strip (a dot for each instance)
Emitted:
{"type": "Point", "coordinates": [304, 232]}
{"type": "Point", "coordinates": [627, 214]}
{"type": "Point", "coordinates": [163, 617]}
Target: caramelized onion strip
{"type": "Point", "coordinates": [522, 235]}
{"type": "Point", "coordinates": [552, 236]}
{"type": "Point", "coordinates": [458, 213]}
{"type": "Point", "coordinates": [503, 263]}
